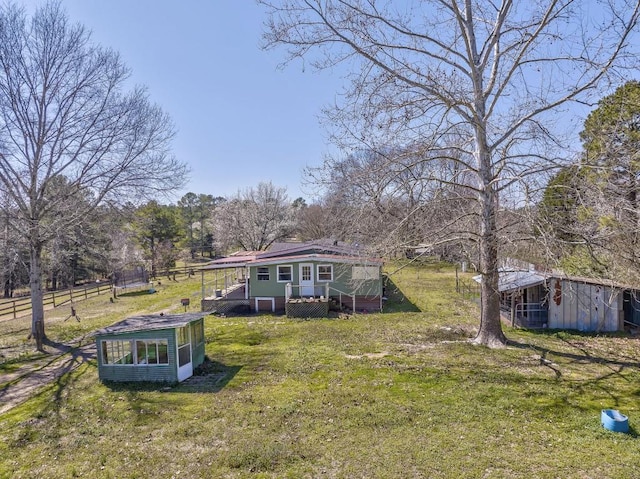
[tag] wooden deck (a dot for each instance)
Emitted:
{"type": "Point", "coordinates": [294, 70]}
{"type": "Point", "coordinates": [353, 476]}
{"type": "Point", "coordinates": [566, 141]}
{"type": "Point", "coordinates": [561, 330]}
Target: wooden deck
{"type": "Point", "coordinates": [228, 301]}
{"type": "Point", "coordinates": [235, 291]}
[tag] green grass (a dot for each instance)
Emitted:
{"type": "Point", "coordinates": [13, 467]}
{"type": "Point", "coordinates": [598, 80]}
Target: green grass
{"type": "Point", "coordinates": [94, 313]}
{"type": "Point", "coordinates": [394, 395]}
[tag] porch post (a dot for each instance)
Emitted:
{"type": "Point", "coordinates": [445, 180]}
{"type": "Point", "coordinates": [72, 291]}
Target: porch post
{"type": "Point", "coordinates": [513, 309]}
{"type": "Point", "coordinates": [246, 283]}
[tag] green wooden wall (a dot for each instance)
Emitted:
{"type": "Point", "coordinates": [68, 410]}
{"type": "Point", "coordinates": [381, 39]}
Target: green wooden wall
{"type": "Point", "coordinates": [156, 372]}
{"type": "Point", "coordinates": [342, 280]}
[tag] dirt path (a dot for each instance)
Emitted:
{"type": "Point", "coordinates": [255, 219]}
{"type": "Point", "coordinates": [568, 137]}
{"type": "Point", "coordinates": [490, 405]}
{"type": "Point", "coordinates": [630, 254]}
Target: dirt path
{"type": "Point", "coordinates": [20, 385]}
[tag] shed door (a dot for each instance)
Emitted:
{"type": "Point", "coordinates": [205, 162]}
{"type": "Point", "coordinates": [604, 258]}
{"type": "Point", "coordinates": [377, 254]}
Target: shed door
{"type": "Point", "coordinates": [306, 279]}
{"type": "Point", "coordinates": [185, 366]}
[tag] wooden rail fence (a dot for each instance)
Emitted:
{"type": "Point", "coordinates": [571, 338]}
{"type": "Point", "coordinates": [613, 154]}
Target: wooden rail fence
{"type": "Point", "coordinates": [14, 308]}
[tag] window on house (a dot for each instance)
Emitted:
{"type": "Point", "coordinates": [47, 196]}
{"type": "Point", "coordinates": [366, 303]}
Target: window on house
{"type": "Point", "coordinates": [147, 351]}
{"type": "Point", "coordinates": [163, 352]}
{"type": "Point", "coordinates": [183, 336]}
{"type": "Point", "coordinates": [184, 346]}
{"type": "Point", "coordinates": [285, 274]}
{"type": "Point", "coordinates": [197, 333]}
{"type": "Point", "coordinates": [325, 272]}
{"type": "Point", "coordinates": [263, 273]}
{"type": "Point", "coordinates": [117, 352]}
{"type": "Point", "coordinates": [152, 351]}
{"type": "Point", "coordinates": [365, 272]}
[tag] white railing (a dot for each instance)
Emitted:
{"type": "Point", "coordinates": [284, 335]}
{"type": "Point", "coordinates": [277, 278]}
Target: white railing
{"type": "Point", "coordinates": [289, 289]}
{"type": "Point", "coordinates": [326, 291]}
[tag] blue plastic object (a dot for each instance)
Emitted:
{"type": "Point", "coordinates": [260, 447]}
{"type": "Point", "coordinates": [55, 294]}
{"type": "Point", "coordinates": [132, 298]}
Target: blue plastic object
{"type": "Point", "coordinates": [614, 420]}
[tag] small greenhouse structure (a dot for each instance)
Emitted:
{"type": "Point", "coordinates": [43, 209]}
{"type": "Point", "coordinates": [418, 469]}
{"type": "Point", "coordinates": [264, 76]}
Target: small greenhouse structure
{"type": "Point", "coordinates": [158, 347]}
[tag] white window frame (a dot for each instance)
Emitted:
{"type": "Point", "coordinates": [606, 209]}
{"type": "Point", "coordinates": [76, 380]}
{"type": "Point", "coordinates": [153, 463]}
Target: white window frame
{"type": "Point", "coordinates": [258, 273]}
{"type": "Point", "coordinates": [318, 272]}
{"type": "Point", "coordinates": [290, 266]}
{"type": "Point", "coordinates": [110, 346]}
{"type": "Point", "coordinates": [155, 343]}
{"type": "Point", "coordinates": [264, 298]}
{"type": "Point", "coordinates": [116, 347]}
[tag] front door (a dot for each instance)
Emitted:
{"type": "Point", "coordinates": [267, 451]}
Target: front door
{"type": "Point", "coordinates": [185, 366]}
{"type": "Point", "coordinates": [306, 279]}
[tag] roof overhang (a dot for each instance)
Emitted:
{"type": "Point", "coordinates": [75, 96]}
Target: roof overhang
{"type": "Point", "coordinates": [317, 257]}
{"type": "Point", "coordinates": [516, 280]}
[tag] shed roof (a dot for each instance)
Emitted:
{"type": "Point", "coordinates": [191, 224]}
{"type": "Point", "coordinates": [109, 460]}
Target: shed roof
{"type": "Point", "coordinates": [149, 322]}
{"type": "Point", "coordinates": [512, 280]}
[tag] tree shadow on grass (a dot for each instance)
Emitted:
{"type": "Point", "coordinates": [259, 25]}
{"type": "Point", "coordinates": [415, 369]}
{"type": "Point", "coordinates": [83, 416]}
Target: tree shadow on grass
{"type": "Point", "coordinates": [396, 301]}
{"type": "Point", "coordinates": [209, 377]}
{"type": "Point", "coordinates": [614, 367]}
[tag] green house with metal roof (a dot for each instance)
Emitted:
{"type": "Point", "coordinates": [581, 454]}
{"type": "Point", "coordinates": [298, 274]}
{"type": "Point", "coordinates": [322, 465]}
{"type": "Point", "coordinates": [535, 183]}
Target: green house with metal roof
{"type": "Point", "coordinates": [157, 348]}
{"type": "Point", "coordinates": [290, 274]}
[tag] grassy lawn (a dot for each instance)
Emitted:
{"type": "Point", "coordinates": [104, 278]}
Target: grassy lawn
{"type": "Point", "coordinates": [95, 313]}
{"type": "Point", "coordinates": [394, 395]}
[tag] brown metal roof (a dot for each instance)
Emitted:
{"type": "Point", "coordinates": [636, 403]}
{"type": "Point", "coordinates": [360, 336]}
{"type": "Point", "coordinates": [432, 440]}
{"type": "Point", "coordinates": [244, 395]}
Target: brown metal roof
{"type": "Point", "coordinates": [294, 251]}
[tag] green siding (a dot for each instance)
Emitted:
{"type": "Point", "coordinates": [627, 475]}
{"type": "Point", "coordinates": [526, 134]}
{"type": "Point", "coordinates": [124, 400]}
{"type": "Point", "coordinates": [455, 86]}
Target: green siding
{"type": "Point", "coordinates": [157, 372]}
{"type": "Point", "coordinates": [269, 288]}
{"type": "Point", "coordinates": [342, 280]}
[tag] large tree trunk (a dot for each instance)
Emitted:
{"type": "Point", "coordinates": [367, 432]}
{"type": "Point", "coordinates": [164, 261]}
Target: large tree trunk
{"type": "Point", "coordinates": [490, 332]}
{"type": "Point", "coordinates": [37, 306]}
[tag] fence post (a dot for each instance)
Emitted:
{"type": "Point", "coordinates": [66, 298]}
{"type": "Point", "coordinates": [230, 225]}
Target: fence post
{"type": "Point", "coordinates": [14, 309]}
{"type": "Point", "coordinates": [53, 295]}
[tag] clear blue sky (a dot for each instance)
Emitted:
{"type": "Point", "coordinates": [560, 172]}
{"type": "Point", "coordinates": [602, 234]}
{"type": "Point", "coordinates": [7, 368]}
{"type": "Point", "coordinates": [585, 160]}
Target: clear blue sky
{"type": "Point", "coordinates": [240, 120]}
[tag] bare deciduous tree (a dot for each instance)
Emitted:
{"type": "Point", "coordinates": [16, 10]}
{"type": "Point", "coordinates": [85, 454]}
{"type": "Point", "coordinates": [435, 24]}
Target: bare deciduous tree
{"type": "Point", "coordinates": [65, 112]}
{"type": "Point", "coordinates": [494, 75]}
{"type": "Point", "coordinates": [255, 218]}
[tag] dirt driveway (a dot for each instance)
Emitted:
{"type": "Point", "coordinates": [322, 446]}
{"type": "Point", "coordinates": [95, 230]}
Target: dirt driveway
{"type": "Point", "coordinates": [20, 385]}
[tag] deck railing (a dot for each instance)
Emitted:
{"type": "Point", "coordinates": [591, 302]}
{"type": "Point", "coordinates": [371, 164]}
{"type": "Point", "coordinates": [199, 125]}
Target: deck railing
{"type": "Point", "coordinates": [325, 291]}
{"type": "Point", "coordinates": [318, 290]}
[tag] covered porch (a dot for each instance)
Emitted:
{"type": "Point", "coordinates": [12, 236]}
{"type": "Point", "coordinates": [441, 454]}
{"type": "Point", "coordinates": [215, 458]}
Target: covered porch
{"type": "Point", "coordinates": [227, 292]}
{"type": "Point", "coordinates": [523, 298]}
